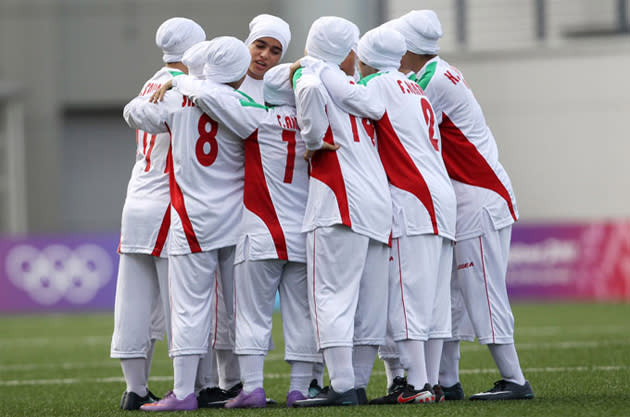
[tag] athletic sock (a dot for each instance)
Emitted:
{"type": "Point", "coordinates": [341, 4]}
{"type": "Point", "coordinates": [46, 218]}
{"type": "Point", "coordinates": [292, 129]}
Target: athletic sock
{"type": "Point", "coordinates": [506, 359]}
{"type": "Point", "coordinates": [449, 365]}
{"type": "Point", "coordinates": [252, 371]}
{"type": "Point", "coordinates": [318, 373]}
{"type": "Point", "coordinates": [414, 362]}
{"type": "Point", "coordinates": [301, 375]}
{"type": "Point", "coordinates": [363, 357]}
{"type": "Point", "coordinates": [184, 370]}
{"type": "Point", "coordinates": [134, 372]}
{"type": "Point", "coordinates": [433, 354]}
{"type": "Point", "coordinates": [339, 363]}
{"type": "Point", "coordinates": [228, 368]}
{"type": "Point", "coordinates": [149, 360]}
{"type": "Point", "coordinates": [393, 368]}
{"type": "Point", "coordinates": [207, 376]}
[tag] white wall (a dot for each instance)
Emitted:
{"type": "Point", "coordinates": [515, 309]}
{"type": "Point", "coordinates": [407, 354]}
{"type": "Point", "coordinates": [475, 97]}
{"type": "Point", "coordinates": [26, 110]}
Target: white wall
{"type": "Point", "coordinates": [562, 120]}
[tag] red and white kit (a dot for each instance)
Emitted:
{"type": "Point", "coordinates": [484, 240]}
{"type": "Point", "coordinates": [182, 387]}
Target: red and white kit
{"type": "Point", "coordinates": [486, 206]}
{"type": "Point", "coordinates": [423, 206]}
{"type": "Point", "coordinates": [206, 174]}
{"type": "Point", "coordinates": [348, 219]}
{"type": "Point", "coordinates": [145, 225]}
{"type": "Point", "coordinates": [270, 253]}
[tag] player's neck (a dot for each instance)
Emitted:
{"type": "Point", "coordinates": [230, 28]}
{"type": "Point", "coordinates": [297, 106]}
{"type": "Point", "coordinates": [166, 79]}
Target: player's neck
{"type": "Point", "coordinates": [178, 66]}
{"type": "Point", "coordinates": [414, 62]}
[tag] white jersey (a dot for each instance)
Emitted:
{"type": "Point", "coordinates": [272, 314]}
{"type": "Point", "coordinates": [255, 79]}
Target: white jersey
{"type": "Point", "coordinates": [276, 190]}
{"type": "Point", "coordinates": [146, 214]}
{"type": "Point", "coordinates": [347, 186]}
{"type": "Point", "coordinates": [469, 150]}
{"type": "Point", "coordinates": [207, 168]}
{"type": "Point", "coordinates": [276, 176]}
{"type": "Point", "coordinates": [409, 146]}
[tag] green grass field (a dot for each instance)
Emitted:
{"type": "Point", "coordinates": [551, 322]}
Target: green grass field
{"type": "Point", "coordinates": [576, 356]}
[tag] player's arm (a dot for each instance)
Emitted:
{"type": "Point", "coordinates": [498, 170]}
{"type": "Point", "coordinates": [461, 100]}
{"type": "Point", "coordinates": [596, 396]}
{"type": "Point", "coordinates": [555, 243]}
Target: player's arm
{"type": "Point", "coordinates": [140, 113]}
{"type": "Point", "coordinates": [356, 99]}
{"type": "Point", "coordinates": [230, 108]}
{"type": "Point", "coordinates": [312, 118]}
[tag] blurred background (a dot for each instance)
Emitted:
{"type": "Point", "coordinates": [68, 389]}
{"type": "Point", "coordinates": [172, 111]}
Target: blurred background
{"type": "Point", "coordinates": [551, 76]}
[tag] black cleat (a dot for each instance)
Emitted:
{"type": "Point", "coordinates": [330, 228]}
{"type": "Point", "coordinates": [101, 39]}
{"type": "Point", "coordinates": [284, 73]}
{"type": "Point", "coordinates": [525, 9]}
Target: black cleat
{"type": "Point", "coordinates": [215, 397]}
{"type": "Point", "coordinates": [132, 401]}
{"type": "Point", "coordinates": [413, 396]}
{"type": "Point", "coordinates": [314, 389]}
{"type": "Point", "coordinates": [398, 387]}
{"type": "Point", "coordinates": [505, 390]}
{"type": "Point", "coordinates": [362, 396]}
{"type": "Point", "coordinates": [454, 393]}
{"type": "Point", "coordinates": [329, 397]}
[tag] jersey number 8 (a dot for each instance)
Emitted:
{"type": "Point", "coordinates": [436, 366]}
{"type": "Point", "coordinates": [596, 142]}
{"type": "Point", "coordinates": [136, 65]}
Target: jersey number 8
{"type": "Point", "coordinates": [206, 147]}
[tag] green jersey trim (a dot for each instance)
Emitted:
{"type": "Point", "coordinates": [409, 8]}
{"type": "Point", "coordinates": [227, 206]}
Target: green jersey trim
{"type": "Point", "coordinates": [427, 75]}
{"type": "Point", "coordinates": [245, 103]}
{"type": "Point", "coordinates": [413, 77]}
{"type": "Point", "coordinates": [249, 101]}
{"type": "Point", "coordinates": [175, 73]}
{"type": "Point", "coordinates": [365, 80]}
{"type": "Point", "coordinates": [297, 76]}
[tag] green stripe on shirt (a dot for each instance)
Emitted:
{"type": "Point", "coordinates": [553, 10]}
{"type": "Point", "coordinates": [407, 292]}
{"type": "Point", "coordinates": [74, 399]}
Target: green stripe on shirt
{"type": "Point", "coordinates": [297, 76]}
{"type": "Point", "coordinates": [427, 75]}
{"type": "Point", "coordinates": [175, 73]}
{"type": "Point", "coordinates": [365, 80]}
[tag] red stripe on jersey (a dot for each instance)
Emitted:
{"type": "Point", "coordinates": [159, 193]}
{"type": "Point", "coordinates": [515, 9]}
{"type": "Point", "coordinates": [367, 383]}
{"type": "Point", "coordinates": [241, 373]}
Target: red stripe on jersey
{"type": "Point", "coordinates": [177, 200]}
{"type": "Point", "coordinates": [325, 167]}
{"type": "Point", "coordinates": [148, 157]}
{"type": "Point", "coordinates": [257, 197]}
{"type": "Point", "coordinates": [401, 171]}
{"type": "Point", "coordinates": [163, 233]}
{"type": "Point", "coordinates": [465, 164]}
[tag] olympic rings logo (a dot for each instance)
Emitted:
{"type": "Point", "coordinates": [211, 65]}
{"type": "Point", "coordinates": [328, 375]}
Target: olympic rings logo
{"type": "Point", "coordinates": [57, 272]}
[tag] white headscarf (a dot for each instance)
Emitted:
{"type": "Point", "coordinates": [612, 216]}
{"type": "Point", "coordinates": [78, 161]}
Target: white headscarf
{"type": "Point", "coordinates": [195, 58]}
{"type": "Point", "coordinates": [227, 60]}
{"type": "Point", "coordinates": [382, 48]}
{"type": "Point", "coordinates": [266, 25]}
{"type": "Point", "coordinates": [331, 39]}
{"type": "Point", "coordinates": [176, 35]}
{"type": "Point", "coordinates": [277, 86]}
{"type": "Point", "coordinates": [421, 29]}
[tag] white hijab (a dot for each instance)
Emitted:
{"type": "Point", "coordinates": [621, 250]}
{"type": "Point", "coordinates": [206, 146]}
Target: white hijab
{"type": "Point", "coordinates": [266, 25]}
{"type": "Point", "coordinates": [382, 48]}
{"type": "Point", "coordinates": [331, 39]}
{"type": "Point", "coordinates": [176, 35]}
{"type": "Point", "coordinates": [227, 60]}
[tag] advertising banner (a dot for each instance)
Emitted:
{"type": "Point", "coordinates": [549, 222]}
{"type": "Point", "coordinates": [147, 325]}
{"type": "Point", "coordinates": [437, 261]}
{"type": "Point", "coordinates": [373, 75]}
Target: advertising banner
{"type": "Point", "coordinates": [58, 273]}
{"type": "Point", "coordinates": [548, 261]}
{"type": "Point", "coordinates": [583, 261]}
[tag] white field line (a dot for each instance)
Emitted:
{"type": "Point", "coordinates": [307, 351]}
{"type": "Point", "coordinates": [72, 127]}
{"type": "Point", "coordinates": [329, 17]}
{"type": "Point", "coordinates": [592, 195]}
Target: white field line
{"type": "Point", "coordinates": [541, 331]}
{"type": "Point", "coordinates": [279, 356]}
{"type": "Point", "coordinates": [68, 381]}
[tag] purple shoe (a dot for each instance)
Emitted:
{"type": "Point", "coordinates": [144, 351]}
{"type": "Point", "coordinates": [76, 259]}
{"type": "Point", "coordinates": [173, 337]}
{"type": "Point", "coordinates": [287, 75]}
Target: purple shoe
{"type": "Point", "coordinates": [170, 403]}
{"type": "Point", "coordinates": [255, 399]}
{"type": "Point", "coordinates": [294, 396]}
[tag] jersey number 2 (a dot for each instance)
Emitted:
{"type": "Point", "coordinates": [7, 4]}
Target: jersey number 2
{"type": "Point", "coordinates": [206, 147]}
{"type": "Point", "coordinates": [429, 118]}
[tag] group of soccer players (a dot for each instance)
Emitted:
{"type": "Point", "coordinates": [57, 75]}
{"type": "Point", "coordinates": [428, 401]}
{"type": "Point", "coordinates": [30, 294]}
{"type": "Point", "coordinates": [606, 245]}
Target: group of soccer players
{"type": "Point", "coordinates": [373, 201]}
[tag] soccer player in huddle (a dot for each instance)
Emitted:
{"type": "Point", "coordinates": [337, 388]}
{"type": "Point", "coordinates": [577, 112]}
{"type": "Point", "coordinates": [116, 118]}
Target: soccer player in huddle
{"type": "Point", "coordinates": [268, 39]}
{"type": "Point", "coordinates": [142, 313]}
{"type": "Point", "coordinates": [423, 205]}
{"type": "Point", "coordinates": [348, 220]}
{"type": "Point", "coordinates": [486, 210]}
{"type": "Point", "coordinates": [206, 180]}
